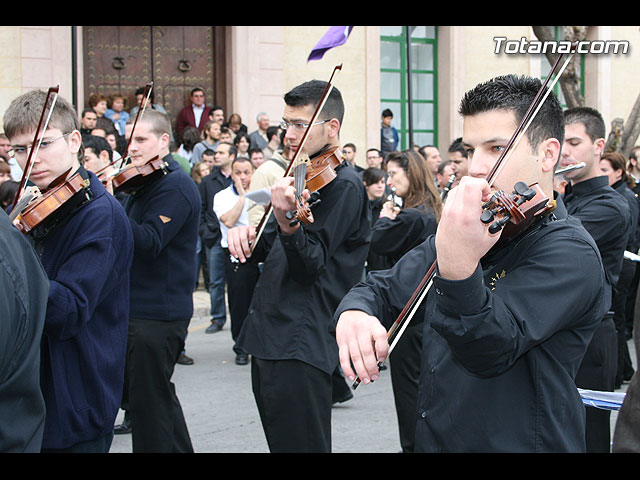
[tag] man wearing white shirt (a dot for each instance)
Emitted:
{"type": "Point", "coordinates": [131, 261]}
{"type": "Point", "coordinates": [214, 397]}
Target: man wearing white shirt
{"type": "Point", "coordinates": [231, 207]}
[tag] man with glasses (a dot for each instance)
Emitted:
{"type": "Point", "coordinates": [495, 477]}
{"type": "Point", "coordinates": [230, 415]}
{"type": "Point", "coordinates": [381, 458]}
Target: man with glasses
{"type": "Point", "coordinates": [87, 254]}
{"type": "Point", "coordinates": [307, 269]}
{"type": "Point", "coordinates": [194, 115]}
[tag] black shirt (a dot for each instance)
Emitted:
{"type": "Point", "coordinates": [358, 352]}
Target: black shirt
{"type": "Point", "coordinates": [209, 223]}
{"type": "Point", "coordinates": [605, 215]}
{"type": "Point", "coordinates": [395, 237]}
{"type": "Point", "coordinates": [23, 303]}
{"type": "Point", "coordinates": [305, 275]}
{"type": "Point", "coordinates": [634, 208]}
{"type": "Point", "coordinates": [502, 347]}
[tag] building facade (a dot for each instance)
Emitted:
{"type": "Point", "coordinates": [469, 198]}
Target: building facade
{"type": "Point", "coordinates": [419, 72]}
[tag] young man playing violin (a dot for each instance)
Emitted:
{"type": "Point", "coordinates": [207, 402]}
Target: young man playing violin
{"type": "Point", "coordinates": [506, 324]}
{"type": "Point", "coordinates": [307, 269]}
{"type": "Point", "coordinates": [164, 214]}
{"type": "Point", "coordinates": [87, 254]}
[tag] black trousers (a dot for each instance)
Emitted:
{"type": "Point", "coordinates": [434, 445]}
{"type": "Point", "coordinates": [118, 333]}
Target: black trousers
{"type": "Point", "coordinates": [619, 307]}
{"type": "Point", "coordinates": [241, 281]}
{"type": "Point", "coordinates": [598, 372]}
{"type": "Point", "coordinates": [294, 402]}
{"type": "Point", "coordinates": [157, 419]}
{"type": "Point", "coordinates": [404, 363]}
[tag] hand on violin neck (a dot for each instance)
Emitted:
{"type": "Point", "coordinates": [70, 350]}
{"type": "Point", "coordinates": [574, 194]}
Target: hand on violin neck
{"type": "Point", "coordinates": [462, 239]}
{"type": "Point", "coordinates": [283, 200]}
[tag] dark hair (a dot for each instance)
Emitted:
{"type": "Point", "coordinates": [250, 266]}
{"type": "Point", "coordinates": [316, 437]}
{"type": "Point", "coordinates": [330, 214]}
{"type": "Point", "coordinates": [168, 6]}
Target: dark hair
{"type": "Point", "coordinates": [422, 192]}
{"type": "Point", "coordinates": [190, 138]}
{"type": "Point", "coordinates": [140, 91]}
{"type": "Point", "coordinates": [443, 165]}
{"type": "Point", "coordinates": [8, 192]}
{"type": "Point", "coordinates": [456, 146]}
{"type": "Point", "coordinates": [590, 118]}
{"type": "Point", "coordinates": [387, 113]}
{"type": "Point", "coordinates": [232, 148]}
{"type": "Point", "coordinates": [273, 130]}
{"type": "Point", "coordinates": [208, 151]}
{"type": "Point", "coordinates": [241, 159]}
{"type": "Point", "coordinates": [97, 144]}
{"type": "Point", "coordinates": [372, 175]}
{"type": "Point", "coordinates": [516, 93]}
{"type": "Point", "coordinates": [239, 136]}
{"type": "Point", "coordinates": [253, 150]}
{"type": "Point", "coordinates": [618, 162]}
{"type": "Point", "coordinates": [310, 93]}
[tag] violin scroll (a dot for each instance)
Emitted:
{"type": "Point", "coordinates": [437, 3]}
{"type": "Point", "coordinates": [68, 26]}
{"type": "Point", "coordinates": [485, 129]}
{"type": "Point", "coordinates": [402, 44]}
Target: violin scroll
{"type": "Point", "coordinates": [513, 209]}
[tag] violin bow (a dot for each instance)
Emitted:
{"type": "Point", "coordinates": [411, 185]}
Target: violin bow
{"type": "Point", "coordinates": [35, 146]}
{"type": "Point", "coordinates": [314, 117]}
{"type": "Point", "coordinates": [404, 318]}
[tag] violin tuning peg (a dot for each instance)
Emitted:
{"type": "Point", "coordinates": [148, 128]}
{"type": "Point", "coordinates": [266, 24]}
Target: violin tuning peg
{"type": "Point", "coordinates": [487, 216]}
{"type": "Point", "coordinates": [498, 224]}
{"type": "Point", "coordinates": [290, 215]}
{"type": "Point", "coordinates": [294, 222]}
{"type": "Point", "coordinates": [520, 188]}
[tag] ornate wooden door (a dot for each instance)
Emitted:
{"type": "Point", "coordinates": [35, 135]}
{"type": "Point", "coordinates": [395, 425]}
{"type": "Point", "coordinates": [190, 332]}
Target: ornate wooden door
{"type": "Point", "coordinates": [120, 59]}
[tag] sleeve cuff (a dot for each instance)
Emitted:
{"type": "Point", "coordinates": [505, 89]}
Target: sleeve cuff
{"type": "Point", "coordinates": [460, 297]}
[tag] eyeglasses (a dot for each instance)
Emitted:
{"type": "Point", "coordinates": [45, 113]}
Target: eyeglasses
{"type": "Point", "coordinates": [22, 152]}
{"type": "Point", "coordinates": [298, 126]}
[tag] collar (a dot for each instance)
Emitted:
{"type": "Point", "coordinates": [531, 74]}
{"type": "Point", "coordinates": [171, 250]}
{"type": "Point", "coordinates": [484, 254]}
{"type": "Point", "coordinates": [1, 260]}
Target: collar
{"type": "Point", "coordinates": [589, 185]}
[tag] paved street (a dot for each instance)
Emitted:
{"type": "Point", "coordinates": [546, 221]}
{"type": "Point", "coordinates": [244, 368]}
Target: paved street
{"type": "Point", "coordinates": [222, 416]}
{"type": "Point", "coordinates": [220, 410]}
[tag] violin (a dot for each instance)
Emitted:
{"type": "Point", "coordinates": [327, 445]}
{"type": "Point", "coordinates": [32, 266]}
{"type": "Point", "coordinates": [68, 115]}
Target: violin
{"type": "Point", "coordinates": [48, 208]}
{"type": "Point", "coordinates": [510, 213]}
{"type": "Point", "coordinates": [313, 174]}
{"type": "Point", "coordinates": [33, 208]}
{"type": "Point", "coordinates": [318, 171]}
{"type": "Point", "coordinates": [132, 177]}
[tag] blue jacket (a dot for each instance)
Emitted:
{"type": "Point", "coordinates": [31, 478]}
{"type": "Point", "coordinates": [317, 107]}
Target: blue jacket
{"type": "Point", "coordinates": [88, 261]}
{"type": "Point", "coordinates": [164, 216]}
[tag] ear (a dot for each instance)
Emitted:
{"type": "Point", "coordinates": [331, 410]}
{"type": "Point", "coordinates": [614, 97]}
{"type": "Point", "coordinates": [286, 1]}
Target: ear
{"type": "Point", "coordinates": [550, 151]}
{"type": "Point", "coordinates": [333, 126]}
{"type": "Point", "coordinates": [75, 140]}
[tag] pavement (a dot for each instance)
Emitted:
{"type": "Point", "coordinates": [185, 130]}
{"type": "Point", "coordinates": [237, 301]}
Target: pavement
{"type": "Point", "coordinates": [221, 413]}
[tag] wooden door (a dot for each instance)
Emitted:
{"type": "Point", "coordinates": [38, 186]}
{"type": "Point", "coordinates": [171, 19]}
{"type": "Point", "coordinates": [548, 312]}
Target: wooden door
{"type": "Point", "coordinates": [120, 59]}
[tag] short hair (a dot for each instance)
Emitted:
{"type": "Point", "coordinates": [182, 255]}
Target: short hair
{"type": "Point", "coordinates": [456, 146]}
{"type": "Point", "coordinates": [87, 110]}
{"type": "Point", "coordinates": [516, 94]}
{"type": "Point", "coordinates": [97, 144]}
{"type": "Point", "coordinates": [194, 90]}
{"type": "Point", "coordinates": [207, 151]}
{"type": "Point", "coordinates": [241, 159]}
{"type": "Point", "coordinates": [310, 93]}
{"type": "Point", "coordinates": [23, 114]}
{"type": "Point", "coordinates": [375, 150]}
{"type": "Point", "coordinates": [350, 145]}
{"type": "Point", "coordinates": [232, 148]}
{"type": "Point", "coordinates": [157, 120]}
{"type": "Point", "coordinates": [271, 131]}
{"type": "Point", "coordinates": [253, 150]}
{"type": "Point", "coordinates": [590, 118]}
{"type": "Point", "coordinates": [387, 113]}
{"type": "Point", "coordinates": [372, 175]}
{"type": "Point", "coordinates": [443, 165]}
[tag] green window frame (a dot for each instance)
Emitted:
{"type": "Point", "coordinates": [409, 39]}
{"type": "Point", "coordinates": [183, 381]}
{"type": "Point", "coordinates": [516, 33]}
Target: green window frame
{"type": "Point", "coordinates": [397, 92]}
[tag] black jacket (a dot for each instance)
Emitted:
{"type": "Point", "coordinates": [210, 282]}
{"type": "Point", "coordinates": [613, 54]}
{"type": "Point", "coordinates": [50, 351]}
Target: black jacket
{"type": "Point", "coordinates": [501, 348]}
{"type": "Point", "coordinates": [209, 223]}
{"type": "Point", "coordinates": [306, 274]}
